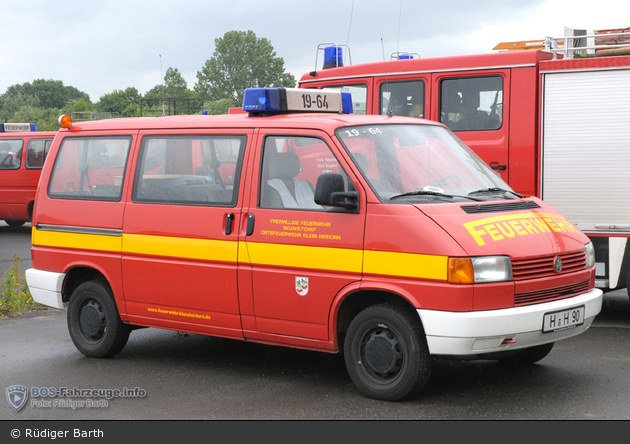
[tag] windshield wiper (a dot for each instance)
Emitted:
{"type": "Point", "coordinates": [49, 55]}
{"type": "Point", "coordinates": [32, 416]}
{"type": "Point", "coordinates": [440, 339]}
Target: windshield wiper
{"type": "Point", "coordinates": [494, 190]}
{"type": "Point", "coordinates": [433, 193]}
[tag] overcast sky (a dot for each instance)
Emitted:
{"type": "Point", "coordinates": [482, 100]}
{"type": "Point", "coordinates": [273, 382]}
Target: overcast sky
{"type": "Point", "coordinates": [106, 45]}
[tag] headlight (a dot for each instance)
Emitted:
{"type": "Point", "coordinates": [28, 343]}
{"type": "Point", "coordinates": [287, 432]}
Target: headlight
{"type": "Point", "coordinates": [476, 270]}
{"type": "Point", "coordinates": [590, 255]}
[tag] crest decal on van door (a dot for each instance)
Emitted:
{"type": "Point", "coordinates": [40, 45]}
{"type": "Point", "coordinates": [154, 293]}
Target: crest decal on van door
{"type": "Point", "coordinates": [301, 285]}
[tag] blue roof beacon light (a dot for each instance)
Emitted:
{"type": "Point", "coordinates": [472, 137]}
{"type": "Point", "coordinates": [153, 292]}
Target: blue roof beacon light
{"type": "Point", "coordinates": [271, 101]}
{"type": "Point", "coordinates": [333, 57]}
{"type": "Point", "coordinates": [405, 56]}
{"type": "Point", "coordinates": [17, 127]}
{"type": "Point", "coordinates": [266, 100]}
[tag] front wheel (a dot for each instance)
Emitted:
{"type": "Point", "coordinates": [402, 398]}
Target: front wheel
{"type": "Point", "coordinates": [94, 323]}
{"type": "Point", "coordinates": [528, 356]}
{"type": "Point", "coordinates": [386, 353]}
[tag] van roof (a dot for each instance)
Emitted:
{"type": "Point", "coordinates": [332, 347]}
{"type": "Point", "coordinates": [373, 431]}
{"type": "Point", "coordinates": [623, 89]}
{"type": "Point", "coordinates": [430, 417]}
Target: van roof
{"type": "Point", "coordinates": [37, 134]}
{"type": "Point", "coordinates": [327, 122]}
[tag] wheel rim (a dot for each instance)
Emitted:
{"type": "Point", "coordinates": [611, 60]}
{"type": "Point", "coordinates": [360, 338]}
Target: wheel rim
{"type": "Point", "coordinates": [382, 354]}
{"type": "Point", "coordinates": [92, 320]}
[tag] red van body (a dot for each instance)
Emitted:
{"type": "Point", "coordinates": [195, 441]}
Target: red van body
{"type": "Point", "coordinates": [306, 230]}
{"type": "Point", "coordinates": [22, 155]}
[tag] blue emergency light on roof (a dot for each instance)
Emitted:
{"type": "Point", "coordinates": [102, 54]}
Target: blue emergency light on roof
{"type": "Point", "coordinates": [17, 127]}
{"type": "Point", "coordinates": [268, 101]}
{"type": "Point", "coordinates": [333, 57]}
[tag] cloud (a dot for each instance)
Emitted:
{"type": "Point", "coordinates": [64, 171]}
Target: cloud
{"type": "Point", "coordinates": [99, 47]}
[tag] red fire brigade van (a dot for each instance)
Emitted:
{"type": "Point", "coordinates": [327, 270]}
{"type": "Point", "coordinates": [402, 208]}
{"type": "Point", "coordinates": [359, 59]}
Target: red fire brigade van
{"type": "Point", "coordinates": [551, 125]}
{"type": "Point", "coordinates": [301, 226]}
{"type": "Point", "coordinates": [22, 153]}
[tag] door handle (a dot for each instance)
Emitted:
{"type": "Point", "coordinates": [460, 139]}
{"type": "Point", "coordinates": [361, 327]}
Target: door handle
{"type": "Point", "coordinates": [250, 224]}
{"type": "Point", "coordinates": [228, 223]}
{"type": "Point", "coordinates": [499, 167]}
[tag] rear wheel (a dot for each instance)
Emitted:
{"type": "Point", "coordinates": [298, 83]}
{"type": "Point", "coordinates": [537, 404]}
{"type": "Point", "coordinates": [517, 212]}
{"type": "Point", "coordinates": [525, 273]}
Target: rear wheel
{"type": "Point", "coordinates": [386, 353]}
{"type": "Point", "coordinates": [94, 323]}
{"type": "Point", "coordinates": [528, 356]}
{"type": "Point", "coordinates": [14, 222]}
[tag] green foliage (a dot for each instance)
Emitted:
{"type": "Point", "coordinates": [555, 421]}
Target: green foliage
{"type": "Point", "coordinates": [81, 106]}
{"type": "Point", "coordinates": [14, 294]}
{"type": "Point", "coordinates": [220, 106]}
{"type": "Point", "coordinates": [124, 102]}
{"type": "Point", "coordinates": [12, 103]}
{"type": "Point", "coordinates": [240, 61]}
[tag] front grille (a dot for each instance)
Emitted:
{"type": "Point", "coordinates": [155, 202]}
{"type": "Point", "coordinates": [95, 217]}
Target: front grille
{"type": "Point", "coordinates": [505, 206]}
{"type": "Point", "coordinates": [550, 294]}
{"type": "Point", "coordinates": [540, 267]}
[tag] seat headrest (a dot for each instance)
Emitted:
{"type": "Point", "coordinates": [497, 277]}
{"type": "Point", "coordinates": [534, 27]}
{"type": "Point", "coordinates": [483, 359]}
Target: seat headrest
{"type": "Point", "coordinates": [284, 166]}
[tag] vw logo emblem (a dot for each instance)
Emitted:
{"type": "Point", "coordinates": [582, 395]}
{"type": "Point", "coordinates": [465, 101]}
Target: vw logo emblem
{"type": "Point", "coordinates": [557, 264]}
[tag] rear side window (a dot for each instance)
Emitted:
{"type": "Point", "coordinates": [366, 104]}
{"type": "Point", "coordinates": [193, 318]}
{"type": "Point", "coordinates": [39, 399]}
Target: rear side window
{"type": "Point", "coordinates": [11, 154]}
{"type": "Point", "coordinates": [36, 152]}
{"type": "Point", "coordinates": [189, 170]}
{"type": "Point", "coordinates": [90, 168]}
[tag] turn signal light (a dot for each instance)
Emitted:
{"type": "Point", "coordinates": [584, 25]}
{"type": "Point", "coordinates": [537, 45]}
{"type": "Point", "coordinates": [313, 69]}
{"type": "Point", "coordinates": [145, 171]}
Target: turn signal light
{"type": "Point", "coordinates": [460, 270]}
{"type": "Point", "coordinates": [65, 121]}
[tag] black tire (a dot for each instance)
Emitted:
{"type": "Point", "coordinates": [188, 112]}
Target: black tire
{"type": "Point", "coordinates": [94, 323]}
{"type": "Point", "coordinates": [528, 356]}
{"type": "Point", "coordinates": [15, 223]}
{"type": "Point", "coordinates": [386, 353]}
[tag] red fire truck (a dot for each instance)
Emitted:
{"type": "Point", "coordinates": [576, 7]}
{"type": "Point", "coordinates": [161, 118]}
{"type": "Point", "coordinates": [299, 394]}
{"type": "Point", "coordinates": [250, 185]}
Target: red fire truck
{"type": "Point", "coordinates": [22, 153]}
{"type": "Point", "coordinates": [551, 120]}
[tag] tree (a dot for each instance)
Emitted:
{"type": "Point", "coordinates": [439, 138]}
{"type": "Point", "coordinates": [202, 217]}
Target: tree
{"type": "Point", "coordinates": [12, 103]}
{"type": "Point", "coordinates": [174, 87]}
{"type": "Point", "coordinates": [240, 61]}
{"type": "Point", "coordinates": [126, 103]}
{"type": "Point", "coordinates": [221, 106]}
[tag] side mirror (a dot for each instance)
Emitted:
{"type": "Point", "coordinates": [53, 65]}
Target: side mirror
{"type": "Point", "coordinates": [330, 192]}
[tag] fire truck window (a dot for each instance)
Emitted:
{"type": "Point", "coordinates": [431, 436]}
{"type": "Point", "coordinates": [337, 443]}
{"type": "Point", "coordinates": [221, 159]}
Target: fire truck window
{"type": "Point", "coordinates": [472, 103]}
{"type": "Point", "coordinates": [11, 154]}
{"type": "Point", "coordinates": [36, 152]}
{"type": "Point", "coordinates": [358, 93]}
{"type": "Point", "coordinates": [189, 170]}
{"type": "Point", "coordinates": [87, 168]}
{"type": "Point", "coordinates": [402, 98]}
{"type": "Point", "coordinates": [290, 168]}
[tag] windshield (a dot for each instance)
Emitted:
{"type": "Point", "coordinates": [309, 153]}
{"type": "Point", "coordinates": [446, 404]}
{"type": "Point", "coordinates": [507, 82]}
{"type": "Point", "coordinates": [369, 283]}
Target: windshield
{"type": "Point", "coordinates": [420, 163]}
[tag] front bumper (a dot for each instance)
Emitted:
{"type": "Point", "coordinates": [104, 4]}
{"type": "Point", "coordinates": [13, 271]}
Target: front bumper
{"type": "Point", "coordinates": [468, 334]}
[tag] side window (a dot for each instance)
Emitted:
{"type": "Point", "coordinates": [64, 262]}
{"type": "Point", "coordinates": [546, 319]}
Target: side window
{"type": "Point", "coordinates": [290, 168]}
{"type": "Point", "coordinates": [472, 103]}
{"type": "Point", "coordinates": [11, 154]}
{"type": "Point", "coordinates": [405, 98]}
{"type": "Point", "coordinates": [36, 151]}
{"type": "Point", "coordinates": [90, 168]}
{"type": "Point", "coordinates": [358, 93]}
{"type": "Point", "coordinates": [189, 170]}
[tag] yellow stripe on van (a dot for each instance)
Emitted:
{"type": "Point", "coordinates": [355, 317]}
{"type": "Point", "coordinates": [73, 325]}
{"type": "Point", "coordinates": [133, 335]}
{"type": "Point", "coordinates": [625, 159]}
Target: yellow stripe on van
{"type": "Point", "coordinates": [77, 240]}
{"type": "Point", "coordinates": [300, 256]}
{"type": "Point", "coordinates": [282, 255]}
{"type": "Point", "coordinates": [182, 247]}
{"type": "Point", "coordinates": [406, 264]}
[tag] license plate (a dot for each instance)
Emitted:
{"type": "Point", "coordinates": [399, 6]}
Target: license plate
{"type": "Point", "coordinates": [563, 319]}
